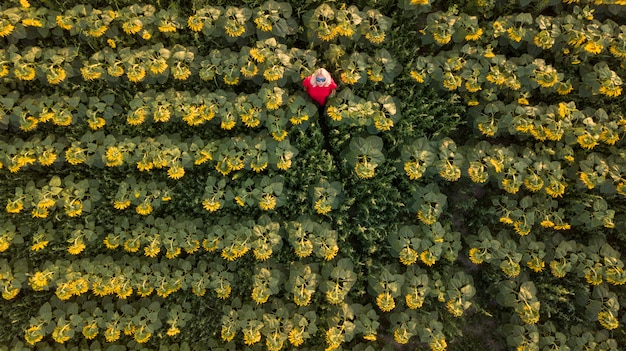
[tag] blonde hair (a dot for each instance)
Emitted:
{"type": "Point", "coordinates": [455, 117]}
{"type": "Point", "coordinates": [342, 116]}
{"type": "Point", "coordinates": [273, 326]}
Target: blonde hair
{"type": "Point", "coordinates": [320, 72]}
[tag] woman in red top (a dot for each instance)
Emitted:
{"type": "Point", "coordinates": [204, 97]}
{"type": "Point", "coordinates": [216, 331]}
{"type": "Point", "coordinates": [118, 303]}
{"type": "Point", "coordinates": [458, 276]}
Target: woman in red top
{"type": "Point", "coordinates": [319, 85]}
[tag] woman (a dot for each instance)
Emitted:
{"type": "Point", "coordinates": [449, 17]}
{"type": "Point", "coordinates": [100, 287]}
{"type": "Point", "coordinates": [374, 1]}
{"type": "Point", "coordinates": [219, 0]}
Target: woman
{"type": "Point", "coordinates": [319, 85]}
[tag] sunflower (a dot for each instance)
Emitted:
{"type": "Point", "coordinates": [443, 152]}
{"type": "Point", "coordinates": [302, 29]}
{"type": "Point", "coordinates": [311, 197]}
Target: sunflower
{"type": "Point", "coordinates": [6, 28]}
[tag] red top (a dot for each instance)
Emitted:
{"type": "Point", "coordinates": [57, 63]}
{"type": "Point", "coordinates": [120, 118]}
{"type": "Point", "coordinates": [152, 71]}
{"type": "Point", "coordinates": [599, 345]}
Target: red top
{"type": "Point", "coordinates": [319, 94]}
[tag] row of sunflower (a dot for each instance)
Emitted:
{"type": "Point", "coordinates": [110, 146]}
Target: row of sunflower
{"type": "Point", "coordinates": [155, 236]}
{"type": "Point", "coordinates": [484, 77]}
{"type": "Point", "coordinates": [77, 198]}
{"type": "Point", "coordinates": [551, 168]}
{"type": "Point", "coordinates": [267, 60]}
{"type": "Point", "coordinates": [533, 213]}
{"type": "Point", "coordinates": [63, 321]}
{"type": "Point", "coordinates": [128, 276]}
{"type": "Point", "coordinates": [74, 197]}
{"type": "Point", "coordinates": [253, 152]}
{"type": "Point", "coordinates": [587, 128]}
{"type": "Point", "coordinates": [148, 64]}
{"type": "Point", "coordinates": [378, 111]}
{"type": "Point", "coordinates": [57, 109]}
{"type": "Point", "coordinates": [273, 107]}
{"type": "Point", "coordinates": [143, 22]}
{"type": "Point", "coordinates": [576, 36]}
{"type": "Point", "coordinates": [328, 23]}
{"type": "Point", "coordinates": [547, 335]}
{"type": "Point", "coordinates": [596, 262]}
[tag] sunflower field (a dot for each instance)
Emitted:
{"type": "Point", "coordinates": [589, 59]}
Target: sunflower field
{"type": "Point", "coordinates": [167, 184]}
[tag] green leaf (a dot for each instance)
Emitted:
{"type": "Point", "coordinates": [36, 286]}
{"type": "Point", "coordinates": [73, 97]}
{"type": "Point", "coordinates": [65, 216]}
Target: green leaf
{"type": "Point", "coordinates": [55, 181]}
{"type": "Point", "coordinates": [527, 291]}
{"type": "Point", "coordinates": [526, 202]}
{"type": "Point", "coordinates": [371, 146]}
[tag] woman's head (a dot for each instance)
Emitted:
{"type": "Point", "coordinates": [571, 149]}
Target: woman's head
{"type": "Point", "coordinates": [320, 78]}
